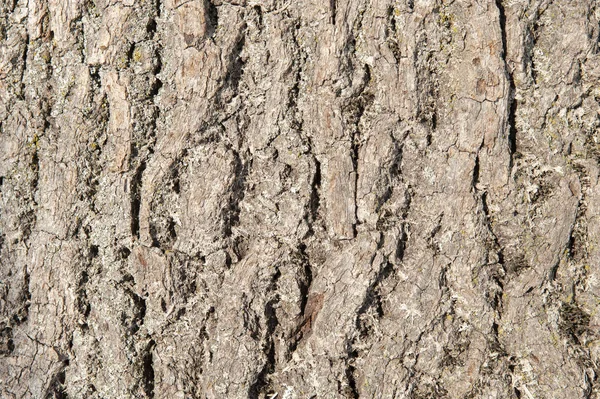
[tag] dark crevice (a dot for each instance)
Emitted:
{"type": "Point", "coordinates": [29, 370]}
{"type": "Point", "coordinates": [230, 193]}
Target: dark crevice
{"type": "Point", "coordinates": [148, 370]}
{"type": "Point", "coordinates": [502, 18]}
{"type": "Point", "coordinates": [574, 321]}
{"type": "Point", "coordinates": [151, 27]}
{"type": "Point", "coordinates": [129, 53]}
{"type": "Point", "coordinates": [388, 219]}
{"type": "Point", "coordinates": [495, 272]}
{"type": "Point", "coordinates": [270, 307]}
{"type": "Point", "coordinates": [529, 43]}
{"type": "Point", "coordinates": [351, 391]}
{"type": "Point", "coordinates": [158, 6]}
{"type": "Point", "coordinates": [512, 102]}
{"type": "Point", "coordinates": [353, 110]}
{"type": "Point", "coordinates": [155, 87]}
{"type": "Point", "coordinates": [589, 385]}
{"type": "Point", "coordinates": [401, 246]}
{"type": "Point", "coordinates": [306, 278]}
{"type": "Point", "coordinates": [355, 147]}
{"type": "Point", "coordinates": [21, 314]}
{"type": "Point", "coordinates": [158, 66]}
{"type": "Point", "coordinates": [517, 392]}
{"type": "Point", "coordinates": [475, 173]}
{"type": "Point", "coordinates": [81, 301]}
{"type": "Point", "coordinates": [238, 192]}
{"type": "Point", "coordinates": [427, 87]}
{"type": "Point", "coordinates": [250, 320]}
{"type": "Point", "coordinates": [139, 309]}
{"type": "Point", "coordinates": [124, 253]}
{"type": "Point", "coordinates": [24, 70]}
{"type": "Point", "coordinates": [553, 271]}
{"type": "Point", "coordinates": [30, 216]}
{"type": "Point", "coordinates": [234, 71]}
{"type": "Point", "coordinates": [309, 313]}
{"type": "Point", "coordinates": [315, 196]}
{"type": "Point", "coordinates": [175, 179]}
{"type": "Point", "coordinates": [391, 36]}
{"type": "Point", "coordinates": [259, 12]}
{"type": "Point", "coordinates": [372, 304]}
{"type": "Point", "coordinates": [498, 274]}
{"type": "Point", "coordinates": [494, 344]}
{"type": "Point", "coordinates": [7, 345]}
{"type": "Point", "coordinates": [57, 387]}
{"type": "Point", "coordinates": [299, 59]}
{"type": "Point", "coordinates": [261, 385]}
{"type": "Point", "coordinates": [163, 233]}
{"type": "Point", "coordinates": [212, 18]}
{"type": "Point", "coordinates": [577, 248]}
{"type": "Point", "coordinates": [135, 198]}
{"type": "Point", "coordinates": [333, 10]}
{"type": "Point", "coordinates": [297, 125]}
{"type": "Point", "coordinates": [350, 370]}
{"type": "Point", "coordinates": [512, 125]}
{"type": "Point", "coordinates": [372, 297]}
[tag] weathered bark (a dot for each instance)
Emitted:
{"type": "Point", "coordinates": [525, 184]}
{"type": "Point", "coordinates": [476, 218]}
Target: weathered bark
{"type": "Point", "coordinates": [308, 199]}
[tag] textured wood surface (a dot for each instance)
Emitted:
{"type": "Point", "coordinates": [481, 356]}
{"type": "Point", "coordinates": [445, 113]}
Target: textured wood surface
{"type": "Point", "coordinates": [299, 199]}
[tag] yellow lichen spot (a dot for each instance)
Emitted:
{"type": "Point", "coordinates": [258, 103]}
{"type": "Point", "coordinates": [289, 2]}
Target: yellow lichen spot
{"type": "Point", "coordinates": [35, 141]}
{"type": "Point", "coordinates": [569, 298]}
{"type": "Point", "coordinates": [46, 56]}
{"type": "Point", "coordinates": [137, 55]}
{"type": "Point", "coordinates": [446, 19]}
{"type": "Point", "coordinates": [122, 61]}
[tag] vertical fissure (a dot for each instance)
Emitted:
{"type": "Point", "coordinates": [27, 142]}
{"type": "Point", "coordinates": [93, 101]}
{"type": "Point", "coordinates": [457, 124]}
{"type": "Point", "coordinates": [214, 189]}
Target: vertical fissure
{"type": "Point", "coordinates": [135, 188]}
{"type": "Point", "coordinates": [238, 192]}
{"type": "Point", "coordinates": [148, 370]}
{"type": "Point", "coordinates": [212, 14]}
{"type": "Point", "coordinates": [511, 100]}
{"type": "Point", "coordinates": [333, 10]}
{"type": "Point", "coordinates": [261, 384]}
{"type": "Point", "coordinates": [354, 109]}
{"type": "Point", "coordinates": [24, 70]}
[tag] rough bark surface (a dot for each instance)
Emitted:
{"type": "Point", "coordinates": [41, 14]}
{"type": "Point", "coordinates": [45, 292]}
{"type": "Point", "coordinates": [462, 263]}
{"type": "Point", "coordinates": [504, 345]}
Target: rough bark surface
{"type": "Point", "coordinates": [299, 199]}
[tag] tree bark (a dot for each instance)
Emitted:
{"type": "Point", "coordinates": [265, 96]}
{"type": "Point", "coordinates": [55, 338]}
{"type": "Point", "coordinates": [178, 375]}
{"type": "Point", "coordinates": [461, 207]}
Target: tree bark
{"type": "Point", "coordinates": [299, 199]}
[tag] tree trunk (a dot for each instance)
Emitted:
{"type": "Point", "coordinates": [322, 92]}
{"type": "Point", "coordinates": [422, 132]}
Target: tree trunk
{"type": "Point", "coordinates": [299, 199]}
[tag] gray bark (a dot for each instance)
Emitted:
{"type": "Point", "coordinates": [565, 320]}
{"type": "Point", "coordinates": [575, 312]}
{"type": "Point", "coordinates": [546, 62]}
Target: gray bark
{"type": "Point", "coordinates": [308, 199]}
